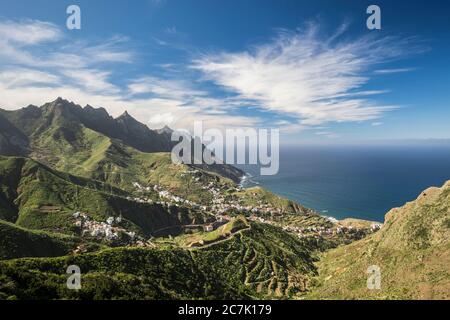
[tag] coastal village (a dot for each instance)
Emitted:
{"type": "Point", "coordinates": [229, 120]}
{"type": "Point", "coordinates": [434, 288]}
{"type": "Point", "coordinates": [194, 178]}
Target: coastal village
{"type": "Point", "coordinates": [337, 229]}
{"type": "Point", "coordinates": [219, 212]}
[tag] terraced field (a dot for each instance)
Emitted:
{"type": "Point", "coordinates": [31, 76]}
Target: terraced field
{"type": "Point", "coordinates": [243, 266]}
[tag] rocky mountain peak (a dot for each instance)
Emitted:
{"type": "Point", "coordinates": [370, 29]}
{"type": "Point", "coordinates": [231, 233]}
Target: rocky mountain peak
{"type": "Point", "coordinates": [165, 129]}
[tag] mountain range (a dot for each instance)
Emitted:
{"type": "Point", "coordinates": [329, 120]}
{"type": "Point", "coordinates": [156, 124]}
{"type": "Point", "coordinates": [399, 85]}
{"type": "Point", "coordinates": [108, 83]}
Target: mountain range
{"type": "Point", "coordinates": [22, 128]}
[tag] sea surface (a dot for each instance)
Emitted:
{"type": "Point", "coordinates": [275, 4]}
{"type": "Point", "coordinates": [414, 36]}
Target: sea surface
{"type": "Point", "coordinates": [355, 181]}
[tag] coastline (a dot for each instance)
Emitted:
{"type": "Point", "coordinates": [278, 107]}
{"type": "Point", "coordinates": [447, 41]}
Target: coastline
{"type": "Point", "coordinates": [246, 182]}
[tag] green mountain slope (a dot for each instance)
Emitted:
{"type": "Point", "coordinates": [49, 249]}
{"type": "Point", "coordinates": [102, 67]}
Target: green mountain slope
{"type": "Point", "coordinates": [412, 250]}
{"type": "Point", "coordinates": [260, 262]}
{"type": "Point", "coordinates": [12, 140]}
{"type": "Point", "coordinates": [36, 197]}
{"type": "Point", "coordinates": [17, 242]}
{"type": "Point", "coordinates": [88, 142]}
{"type": "Point", "coordinates": [62, 117]}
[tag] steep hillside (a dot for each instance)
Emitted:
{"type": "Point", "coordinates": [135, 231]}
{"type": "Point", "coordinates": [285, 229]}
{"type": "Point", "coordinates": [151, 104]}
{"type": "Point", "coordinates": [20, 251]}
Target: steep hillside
{"type": "Point", "coordinates": [88, 142]}
{"type": "Point", "coordinates": [66, 116]}
{"type": "Point", "coordinates": [12, 140]}
{"type": "Point", "coordinates": [260, 262]}
{"type": "Point", "coordinates": [36, 197]}
{"type": "Point", "coordinates": [412, 250]}
{"type": "Point", "coordinates": [17, 242]}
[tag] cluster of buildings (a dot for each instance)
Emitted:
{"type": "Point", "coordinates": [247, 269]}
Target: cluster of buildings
{"type": "Point", "coordinates": [166, 198]}
{"type": "Point", "coordinates": [219, 204]}
{"type": "Point", "coordinates": [191, 172]}
{"type": "Point", "coordinates": [166, 195]}
{"type": "Point", "coordinates": [314, 230]}
{"type": "Point", "coordinates": [222, 205]}
{"type": "Point", "coordinates": [318, 230]}
{"type": "Point", "coordinates": [375, 227]}
{"type": "Point", "coordinates": [108, 230]}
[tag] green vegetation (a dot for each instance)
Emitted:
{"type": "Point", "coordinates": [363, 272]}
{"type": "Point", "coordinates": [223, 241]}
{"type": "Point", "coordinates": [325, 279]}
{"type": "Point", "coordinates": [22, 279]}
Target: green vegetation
{"type": "Point", "coordinates": [200, 238]}
{"type": "Point", "coordinates": [17, 242]}
{"type": "Point", "coordinates": [256, 195]}
{"type": "Point", "coordinates": [260, 262]}
{"type": "Point", "coordinates": [412, 251]}
{"type": "Point", "coordinates": [87, 142]}
{"type": "Point", "coordinates": [37, 197]}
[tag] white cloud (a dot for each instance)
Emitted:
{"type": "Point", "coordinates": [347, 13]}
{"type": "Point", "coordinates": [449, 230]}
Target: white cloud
{"type": "Point", "coordinates": [390, 71]}
{"type": "Point", "coordinates": [28, 32]}
{"type": "Point", "coordinates": [82, 72]}
{"type": "Point", "coordinates": [305, 76]}
{"type": "Point", "coordinates": [165, 88]}
{"type": "Point", "coordinates": [22, 42]}
{"type": "Point", "coordinates": [20, 77]}
{"type": "Point", "coordinates": [109, 51]}
{"type": "Point", "coordinates": [91, 79]}
{"type": "Point", "coordinates": [310, 80]}
{"type": "Point", "coordinates": [185, 103]}
{"type": "Point", "coordinates": [161, 119]}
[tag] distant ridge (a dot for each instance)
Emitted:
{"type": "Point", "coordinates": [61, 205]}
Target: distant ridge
{"type": "Point", "coordinates": [33, 120]}
{"type": "Point", "coordinates": [62, 126]}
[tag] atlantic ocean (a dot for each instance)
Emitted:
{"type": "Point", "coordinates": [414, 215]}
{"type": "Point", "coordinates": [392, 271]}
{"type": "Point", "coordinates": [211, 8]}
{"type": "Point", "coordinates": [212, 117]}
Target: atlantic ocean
{"type": "Point", "coordinates": [355, 181]}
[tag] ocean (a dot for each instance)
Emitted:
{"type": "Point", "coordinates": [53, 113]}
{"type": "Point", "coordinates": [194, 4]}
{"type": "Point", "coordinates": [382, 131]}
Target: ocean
{"type": "Point", "coordinates": [355, 181]}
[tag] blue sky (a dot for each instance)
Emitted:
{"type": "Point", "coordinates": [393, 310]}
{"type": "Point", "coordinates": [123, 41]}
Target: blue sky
{"type": "Point", "coordinates": [310, 68]}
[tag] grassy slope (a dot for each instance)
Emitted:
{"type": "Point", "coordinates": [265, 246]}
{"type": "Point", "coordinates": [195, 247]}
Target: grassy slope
{"type": "Point", "coordinates": [292, 214]}
{"type": "Point", "coordinates": [27, 187]}
{"type": "Point", "coordinates": [60, 140]}
{"type": "Point", "coordinates": [260, 262]}
{"type": "Point", "coordinates": [93, 155]}
{"type": "Point", "coordinates": [96, 156]}
{"type": "Point", "coordinates": [17, 242]}
{"type": "Point", "coordinates": [256, 196]}
{"type": "Point", "coordinates": [412, 250]}
{"type": "Point", "coordinates": [200, 238]}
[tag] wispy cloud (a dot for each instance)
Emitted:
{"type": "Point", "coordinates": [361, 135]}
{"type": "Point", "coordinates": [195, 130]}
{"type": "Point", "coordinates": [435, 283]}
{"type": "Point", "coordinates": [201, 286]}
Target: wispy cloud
{"type": "Point", "coordinates": [36, 66]}
{"type": "Point", "coordinates": [36, 63]}
{"type": "Point", "coordinates": [308, 76]}
{"type": "Point", "coordinates": [91, 80]}
{"type": "Point", "coordinates": [390, 71]}
{"type": "Point", "coordinates": [163, 88]}
{"type": "Point", "coordinates": [19, 77]}
{"type": "Point", "coordinates": [182, 103]}
{"type": "Point", "coordinates": [28, 32]}
{"type": "Point", "coordinates": [302, 76]}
